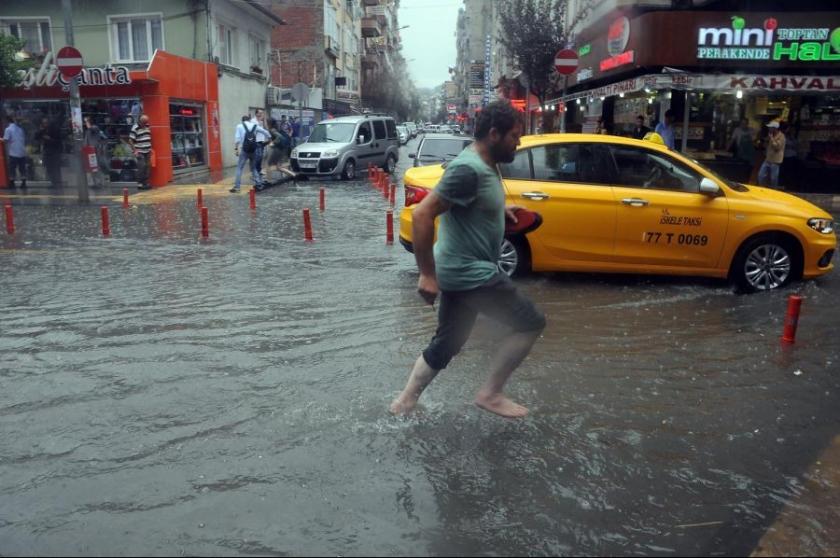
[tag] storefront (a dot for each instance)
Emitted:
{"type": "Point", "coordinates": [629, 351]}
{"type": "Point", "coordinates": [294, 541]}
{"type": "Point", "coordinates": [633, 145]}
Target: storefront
{"type": "Point", "coordinates": [179, 95]}
{"type": "Point", "coordinates": [718, 69]}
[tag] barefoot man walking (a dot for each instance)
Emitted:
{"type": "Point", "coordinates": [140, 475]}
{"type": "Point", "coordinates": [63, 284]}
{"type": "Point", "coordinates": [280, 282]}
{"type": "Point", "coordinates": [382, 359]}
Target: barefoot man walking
{"type": "Point", "coordinates": [462, 267]}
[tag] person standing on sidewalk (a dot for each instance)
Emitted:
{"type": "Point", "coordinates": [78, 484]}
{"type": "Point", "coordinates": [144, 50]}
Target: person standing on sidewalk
{"type": "Point", "coordinates": [245, 147]}
{"type": "Point", "coordinates": [52, 146]}
{"type": "Point", "coordinates": [141, 143]}
{"type": "Point", "coordinates": [15, 139]}
{"type": "Point", "coordinates": [95, 138]}
{"type": "Point", "coordinates": [263, 139]}
{"type": "Point", "coordinates": [666, 130]}
{"type": "Point", "coordinates": [463, 266]}
{"type": "Point", "coordinates": [768, 175]}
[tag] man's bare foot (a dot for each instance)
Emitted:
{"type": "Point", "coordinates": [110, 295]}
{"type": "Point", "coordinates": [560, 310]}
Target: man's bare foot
{"type": "Point", "coordinates": [403, 405]}
{"type": "Point", "coordinates": [500, 405]}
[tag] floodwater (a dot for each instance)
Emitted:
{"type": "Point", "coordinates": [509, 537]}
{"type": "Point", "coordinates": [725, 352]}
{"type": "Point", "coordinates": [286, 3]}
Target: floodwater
{"type": "Point", "coordinates": [160, 394]}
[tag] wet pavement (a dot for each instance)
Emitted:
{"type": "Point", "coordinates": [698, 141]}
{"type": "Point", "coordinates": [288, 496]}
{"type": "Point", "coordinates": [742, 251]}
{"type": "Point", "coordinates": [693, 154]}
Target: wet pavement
{"type": "Point", "coordinates": [162, 394]}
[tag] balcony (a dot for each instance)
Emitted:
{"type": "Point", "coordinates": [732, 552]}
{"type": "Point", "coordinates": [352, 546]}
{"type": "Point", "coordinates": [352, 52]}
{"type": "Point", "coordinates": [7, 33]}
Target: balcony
{"type": "Point", "coordinates": [331, 46]}
{"type": "Point", "coordinates": [371, 27]}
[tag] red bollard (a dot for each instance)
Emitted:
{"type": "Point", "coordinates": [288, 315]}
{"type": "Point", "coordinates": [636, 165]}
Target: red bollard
{"type": "Point", "coordinates": [792, 319]}
{"type": "Point", "coordinates": [307, 226]}
{"type": "Point", "coordinates": [389, 231]}
{"type": "Point", "coordinates": [199, 202]}
{"type": "Point", "coordinates": [323, 200]}
{"type": "Point", "coordinates": [125, 198]}
{"type": "Point", "coordinates": [383, 182]}
{"type": "Point", "coordinates": [10, 219]}
{"type": "Point", "coordinates": [106, 221]}
{"type": "Point", "coordinates": [370, 171]}
{"type": "Point", "coordinates": [205, 223]}
{"type": "Point", "coordinates": [253, 195]}
{"type": "Point", "coordinates": [393, 195]}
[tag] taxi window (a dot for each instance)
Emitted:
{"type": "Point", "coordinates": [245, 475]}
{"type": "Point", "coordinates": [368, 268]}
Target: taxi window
{"type": "Point", "coordinates": [519, 169]}
{"type": "Point", "coordinates": [379, 129]}
{"type": "Point", "coordinates": [569, 162]}
{"type": "Point", "coordinates": [639, 168]}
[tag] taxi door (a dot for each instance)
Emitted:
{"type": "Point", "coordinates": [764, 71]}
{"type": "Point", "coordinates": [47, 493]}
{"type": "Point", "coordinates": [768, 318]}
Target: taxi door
{"type": "Point", "coordinates": [563, 183]}
{"type": "Point", "coordinates": [663, 218]}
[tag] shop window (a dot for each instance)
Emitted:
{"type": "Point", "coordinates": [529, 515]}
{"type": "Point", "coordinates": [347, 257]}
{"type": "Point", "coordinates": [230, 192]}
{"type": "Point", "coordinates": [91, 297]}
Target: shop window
{"type": "Point", "coordinates": [35, 33]}
{"type": "Point", "coordinates": [187, 127]}
{"type": "Point", "coordinates": [639, 168]}
{"type": "Point", "coordinates": [113, 119]}
{"type": "Point", "coordinates": [135, 38]}
{"type": "Point", "coordinates": [520, 168]}
{"type": "Point", "coordinates": [227, 45]}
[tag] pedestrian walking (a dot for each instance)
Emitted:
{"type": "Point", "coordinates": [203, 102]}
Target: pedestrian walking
{"type": "Point", "coordinates": [15, 139]}
{"type": "Point", "coordinates": [666, 130]}
{"type": "Point", "coordinates": [50, 139]}
{"type": "Point", "coordinates": [245, 147]}
{"type": "Point", "coordinates": [768, 175]}
{"type": "Point", "coordinates": [462, 267]}
{"type": "Point", "coordinates": [141, 145]}
{"type": "Point", "coordinates": [640, 131]}
{"type": "Point", "coordinates": [94, 137]}
{"type": "Point", "coordinates": [263, 138]}
{"type": "Point", "coordinates": [295, 138]}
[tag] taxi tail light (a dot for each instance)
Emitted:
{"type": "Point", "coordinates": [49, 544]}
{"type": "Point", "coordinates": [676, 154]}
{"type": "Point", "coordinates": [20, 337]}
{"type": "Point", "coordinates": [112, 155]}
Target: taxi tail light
{"type": "Point", "coordinates": [414, 195]}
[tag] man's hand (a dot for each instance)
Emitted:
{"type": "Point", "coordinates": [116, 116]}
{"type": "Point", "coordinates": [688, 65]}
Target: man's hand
{"type": "Point", "coordinates": [510, 212]}
{"type": "Point", "coordinates": [428, 288]}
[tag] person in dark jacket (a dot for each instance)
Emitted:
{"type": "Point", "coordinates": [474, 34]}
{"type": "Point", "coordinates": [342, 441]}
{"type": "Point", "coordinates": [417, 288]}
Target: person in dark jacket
{"type": "Point", "coordinates": [50, 138]}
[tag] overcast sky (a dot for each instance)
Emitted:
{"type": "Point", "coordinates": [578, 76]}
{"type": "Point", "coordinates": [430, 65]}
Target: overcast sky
{"type": "Point", "coordinates": [430, 41]}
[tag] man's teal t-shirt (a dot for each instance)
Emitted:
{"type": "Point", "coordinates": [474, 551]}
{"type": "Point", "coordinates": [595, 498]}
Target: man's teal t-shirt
{"type": "Point", "coordinates": [470, 234]}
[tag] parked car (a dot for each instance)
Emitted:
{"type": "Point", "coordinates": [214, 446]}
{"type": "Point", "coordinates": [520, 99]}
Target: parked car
{"type": "Point", "coordinates": [340, 146]}
{"type": "Point", "coordinates": [405, 135]}
{"type": "Point", "coordinates": [617, 205]}
{"type": "Point", "coordinates": [435, 149]}
{"type": "Point", "coordinates": [412, 129]}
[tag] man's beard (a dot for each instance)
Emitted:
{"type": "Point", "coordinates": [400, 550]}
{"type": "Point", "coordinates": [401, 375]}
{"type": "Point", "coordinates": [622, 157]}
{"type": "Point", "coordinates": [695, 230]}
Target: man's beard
{"type": "Point", "coordinates": [501, 154]}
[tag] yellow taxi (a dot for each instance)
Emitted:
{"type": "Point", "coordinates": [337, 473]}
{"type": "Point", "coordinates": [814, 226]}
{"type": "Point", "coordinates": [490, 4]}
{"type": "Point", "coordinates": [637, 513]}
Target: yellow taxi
{"type": "Point", "coordinates": [618, 205]}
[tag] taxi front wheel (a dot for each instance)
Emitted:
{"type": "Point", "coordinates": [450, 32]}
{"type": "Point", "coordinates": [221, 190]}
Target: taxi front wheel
{"type": "Point", "coordinates": [767, 262]}
{"type": "Point", "coordinates": [515, 258]}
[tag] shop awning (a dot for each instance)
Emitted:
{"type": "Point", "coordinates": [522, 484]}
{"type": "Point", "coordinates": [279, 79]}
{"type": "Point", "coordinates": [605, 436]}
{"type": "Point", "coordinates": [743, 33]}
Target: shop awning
{"type": "Point", "coordinates": [725, 83]}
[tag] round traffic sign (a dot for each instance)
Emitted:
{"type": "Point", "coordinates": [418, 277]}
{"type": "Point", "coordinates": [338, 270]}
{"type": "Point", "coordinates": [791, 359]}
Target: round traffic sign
{"type": "Point", "coordinates": [69, 62]}
{"type": "Point", "coordinates": [566, 61]}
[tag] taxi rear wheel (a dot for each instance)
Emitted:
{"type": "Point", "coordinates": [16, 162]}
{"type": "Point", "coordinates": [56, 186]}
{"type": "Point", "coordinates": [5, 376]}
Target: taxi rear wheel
{"type": "Point", "coordinates": [515, 258]}
{"type": "Point", "coordinates": [767, 262]}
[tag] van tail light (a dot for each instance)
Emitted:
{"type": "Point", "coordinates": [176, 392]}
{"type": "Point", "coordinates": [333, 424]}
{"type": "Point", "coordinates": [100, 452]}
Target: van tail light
{"type": "Point", "coordinates": [414, 195]}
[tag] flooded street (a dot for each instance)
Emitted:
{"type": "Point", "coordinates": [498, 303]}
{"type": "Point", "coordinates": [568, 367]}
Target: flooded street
{"type": "Point", "coordinates": [162, 394]}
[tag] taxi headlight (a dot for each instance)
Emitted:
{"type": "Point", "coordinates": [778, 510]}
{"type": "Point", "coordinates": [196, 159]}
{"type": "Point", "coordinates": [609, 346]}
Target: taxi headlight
{"type": "Point", "coordinates": [824, 226]}
{"type": "Point", "coordinates": [294, 153]}
{"type": "Point", "coordinates": [329, 154]}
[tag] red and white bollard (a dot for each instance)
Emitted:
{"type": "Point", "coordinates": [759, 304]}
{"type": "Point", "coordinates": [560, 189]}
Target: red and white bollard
{"type": "Point", "coordinates": [253, 197]}
{"type": "Point", "coordinates": [393, 195]}
{"type": "Point", "coordinates": [386, 191]}
{"type": "Point", "coordinates": [322, 200]}
{"type": "Point", "coordinates": [10, 219]}
{"type": "Point", "coordinates": [307, 226]}
{"type": "Point", "coordinates": [106, 221]}
{"type": "Point", "coordinates": [792, 319]}
{"type": "Point", "coordinates": [205, 223]}
{"type": "Point", "coordinates": [125, 198]}
{"type": "Point", "coordinates": [389, 227]}
{"type": "Point", "coordinates": [199, 200]}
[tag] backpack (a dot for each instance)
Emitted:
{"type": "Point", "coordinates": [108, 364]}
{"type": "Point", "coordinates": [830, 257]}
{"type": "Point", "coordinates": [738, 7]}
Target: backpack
{"type": "Point", "coordinates": [249, 144]}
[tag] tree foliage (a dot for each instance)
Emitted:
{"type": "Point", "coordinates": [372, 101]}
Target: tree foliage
{"type": "Point", "coordinates": [533, 31]}
{"type": "Point", "coordinates": [9, 65]}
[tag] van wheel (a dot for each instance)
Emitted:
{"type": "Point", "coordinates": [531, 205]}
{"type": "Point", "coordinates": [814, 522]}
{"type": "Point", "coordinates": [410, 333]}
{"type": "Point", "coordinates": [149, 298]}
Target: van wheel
{"type": "Point", "coordinates": [349, 172]}
{"type": "Point", "coordinates": [390, 164]}
{"type": "Point", "coordinates": [515, 257]}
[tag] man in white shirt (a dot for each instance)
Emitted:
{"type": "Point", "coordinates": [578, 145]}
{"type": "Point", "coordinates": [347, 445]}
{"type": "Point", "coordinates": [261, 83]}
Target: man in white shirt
{"type": "Point", "coordinates": [246, 147]}
{"type": "Point", "coordinates": [263, 138]}
{"type": "Point", "coordinates": [15, 139]}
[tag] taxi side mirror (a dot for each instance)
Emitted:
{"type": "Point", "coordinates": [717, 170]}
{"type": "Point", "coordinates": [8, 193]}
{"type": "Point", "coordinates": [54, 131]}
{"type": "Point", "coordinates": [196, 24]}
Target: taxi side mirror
{"type": "Point", "coordinates": [709, 186]}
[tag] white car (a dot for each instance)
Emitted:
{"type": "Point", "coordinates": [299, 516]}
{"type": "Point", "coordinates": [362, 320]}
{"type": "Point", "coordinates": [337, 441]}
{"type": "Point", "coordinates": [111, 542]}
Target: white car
{"type": "Point", "coordinates": [404, 134]}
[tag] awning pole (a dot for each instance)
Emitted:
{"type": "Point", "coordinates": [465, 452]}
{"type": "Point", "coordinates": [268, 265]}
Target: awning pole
{"type": "Point", "coordinates": [686, 111]}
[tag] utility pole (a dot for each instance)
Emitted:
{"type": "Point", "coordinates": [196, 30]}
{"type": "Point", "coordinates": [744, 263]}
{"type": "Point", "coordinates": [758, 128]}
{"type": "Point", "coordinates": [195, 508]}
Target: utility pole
{"type": "Point", "coordinates": [76, 166]}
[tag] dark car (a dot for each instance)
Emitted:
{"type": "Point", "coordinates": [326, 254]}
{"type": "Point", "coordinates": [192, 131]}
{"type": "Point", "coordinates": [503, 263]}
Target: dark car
{"type": "Point", "coordinates": [439, 148]}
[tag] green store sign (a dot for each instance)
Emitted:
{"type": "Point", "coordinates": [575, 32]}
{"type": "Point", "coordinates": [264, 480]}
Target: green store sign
{"type": "Point", "coordinates": [768, 42]}
{"type": "Point", "coordinates": [585, 49]}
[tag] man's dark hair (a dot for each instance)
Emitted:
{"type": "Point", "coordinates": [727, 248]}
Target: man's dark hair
{"type": "Point", "coordinates": [498, 114]}
{"type": "Point", "coordinates": [246, 118]}
{"type": "Point", "coordinates": [669, 113]}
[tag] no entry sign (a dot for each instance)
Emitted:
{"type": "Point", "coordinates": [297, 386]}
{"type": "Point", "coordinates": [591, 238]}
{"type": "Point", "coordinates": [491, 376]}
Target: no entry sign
{"type": "Point", "coordinates": [566, 61]}
{"type": "Point", "coordinates": [69, 62]}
